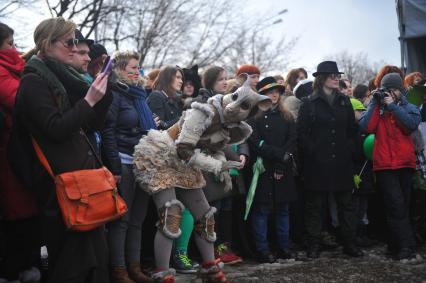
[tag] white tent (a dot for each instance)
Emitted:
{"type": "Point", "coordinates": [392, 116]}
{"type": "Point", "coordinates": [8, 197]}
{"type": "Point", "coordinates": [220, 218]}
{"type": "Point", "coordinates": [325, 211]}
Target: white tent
{"type": "Point", "coordinates": [412, 29]}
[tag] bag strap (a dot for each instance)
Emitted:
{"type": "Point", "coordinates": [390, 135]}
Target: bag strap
{"type": "Point", "coordinates": [46, 164]}
{"type": "Point", "coordinates": [91, 147]}
{"type": "Point", "coordinates": [42, 158]}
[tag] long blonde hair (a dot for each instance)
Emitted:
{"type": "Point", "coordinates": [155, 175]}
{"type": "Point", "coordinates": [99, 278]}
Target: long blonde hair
{"type": "Point", "coordinates": [282, 108]}
{"type": "Point", "coordinates": [50, 30]}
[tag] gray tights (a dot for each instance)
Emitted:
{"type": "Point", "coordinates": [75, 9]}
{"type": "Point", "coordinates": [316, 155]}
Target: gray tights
{"type": "Point", "coordinates": [195, 201]}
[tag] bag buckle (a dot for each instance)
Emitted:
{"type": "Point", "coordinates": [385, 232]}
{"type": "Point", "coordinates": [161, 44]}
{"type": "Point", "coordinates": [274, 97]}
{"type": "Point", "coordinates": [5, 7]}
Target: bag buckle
{"type": "Point", "coordinates": [84, 199]}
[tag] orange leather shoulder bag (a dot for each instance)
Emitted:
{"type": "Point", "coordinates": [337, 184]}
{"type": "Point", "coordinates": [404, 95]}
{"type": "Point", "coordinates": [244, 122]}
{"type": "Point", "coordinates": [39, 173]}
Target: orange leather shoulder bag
{"type": "Point", "coordinates": [88, 198]}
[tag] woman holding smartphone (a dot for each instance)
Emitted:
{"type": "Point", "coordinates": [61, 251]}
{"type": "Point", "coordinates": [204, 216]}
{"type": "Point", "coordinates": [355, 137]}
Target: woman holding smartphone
{"type": "Point", "coordinates": [129, 117]}
{"type": "Point", "coordinates": [57, 108]}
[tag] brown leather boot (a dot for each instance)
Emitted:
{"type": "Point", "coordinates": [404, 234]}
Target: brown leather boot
{"type": "Point", "coordinates": [119, 275]}
{"type": "Point", "coordinates": [135, 273]}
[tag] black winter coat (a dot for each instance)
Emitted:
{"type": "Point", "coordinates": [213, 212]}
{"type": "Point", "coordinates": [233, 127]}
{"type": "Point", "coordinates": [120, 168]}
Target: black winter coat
{"type": "Point", "coordinates": [327, 143]}
{"type": "Point", "coordinates": [71, 254]}
{"type": "Point", "coordinates": [166, 108]}
{"type": "Point", "coordinates": [279, 136]}
{"type": "Point", "coordinates": [122, 130]}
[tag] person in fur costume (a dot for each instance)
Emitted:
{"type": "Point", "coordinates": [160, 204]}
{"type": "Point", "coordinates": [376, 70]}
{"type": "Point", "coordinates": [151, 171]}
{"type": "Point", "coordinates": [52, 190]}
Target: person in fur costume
{"type": "Point", "coordinates": [168, 165]}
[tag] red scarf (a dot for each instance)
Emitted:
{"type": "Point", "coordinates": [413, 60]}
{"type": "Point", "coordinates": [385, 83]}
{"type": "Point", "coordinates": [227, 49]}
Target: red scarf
{"type": "Point", "coordinates": [11, 60]}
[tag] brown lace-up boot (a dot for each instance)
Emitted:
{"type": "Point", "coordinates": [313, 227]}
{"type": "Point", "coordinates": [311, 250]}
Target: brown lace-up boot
{"type": "Point", "coordinates": [135, 273]}
{"type": "Point", "coordinates": [119, 275]}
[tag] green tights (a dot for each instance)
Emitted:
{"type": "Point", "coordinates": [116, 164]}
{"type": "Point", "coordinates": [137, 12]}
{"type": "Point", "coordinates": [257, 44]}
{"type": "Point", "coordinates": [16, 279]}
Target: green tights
{"type": "Point", "coordinates": [186, 226]}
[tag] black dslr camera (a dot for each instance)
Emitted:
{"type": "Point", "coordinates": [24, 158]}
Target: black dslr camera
{"type": "Point", "coordinates": [380, 94]}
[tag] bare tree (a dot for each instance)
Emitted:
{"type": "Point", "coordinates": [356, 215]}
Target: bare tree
{"type": "Point", "coordinates": [219, 31]}
{"type": "Point", "coordinates": [228, 39]}
{"type": "Point", "coordinates": [183, 32]}
{"type": "Point", "coordinates": [156, 28]}
{"type": "Point", "coordinates": [260, 50]}
{"type": "Point", "coordinates": [187, 32]}
{"type": "Point", "coordinates": [8, 7]}
{"type": "Point", "coordinates": [89, 13]}
{"type": "Point", "coordinates": [357, 68]}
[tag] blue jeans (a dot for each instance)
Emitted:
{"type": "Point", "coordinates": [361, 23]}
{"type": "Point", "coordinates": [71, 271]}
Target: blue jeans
{"type": "Point", "coordinates": [259, 223]}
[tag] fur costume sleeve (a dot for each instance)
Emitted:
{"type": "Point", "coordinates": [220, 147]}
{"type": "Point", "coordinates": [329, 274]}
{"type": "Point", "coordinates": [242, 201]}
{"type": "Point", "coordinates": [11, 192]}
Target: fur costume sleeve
{"type": "Point", "coordinates": [194, 123]}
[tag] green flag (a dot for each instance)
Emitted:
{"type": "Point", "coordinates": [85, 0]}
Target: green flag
{"type": "Point", "coordinates": [415, 95]}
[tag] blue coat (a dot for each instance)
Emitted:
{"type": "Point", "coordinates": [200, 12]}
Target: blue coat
{"type": "Point", "coordinates": [122, 130]}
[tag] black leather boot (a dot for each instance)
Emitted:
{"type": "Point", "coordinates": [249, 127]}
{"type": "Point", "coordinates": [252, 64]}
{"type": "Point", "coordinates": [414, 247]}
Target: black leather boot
{"type": "Point", "coordinates": [313, 251]}
{"type": "Point", "coordinates": [352, 250]}
{"type": "Point", "coordinates": [265, 257]}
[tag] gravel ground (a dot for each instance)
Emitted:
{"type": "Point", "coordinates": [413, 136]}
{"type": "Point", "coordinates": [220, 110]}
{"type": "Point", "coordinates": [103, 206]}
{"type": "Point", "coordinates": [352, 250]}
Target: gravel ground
{"type": "Point", "coordinates": [375, 266]}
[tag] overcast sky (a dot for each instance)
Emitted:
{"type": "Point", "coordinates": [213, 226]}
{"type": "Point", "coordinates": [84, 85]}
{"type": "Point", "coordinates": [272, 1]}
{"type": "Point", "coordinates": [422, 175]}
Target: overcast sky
{"type": "Point", "coordinates": [329, 26]}
{"type": "Point", "coordinates": [324, 27]}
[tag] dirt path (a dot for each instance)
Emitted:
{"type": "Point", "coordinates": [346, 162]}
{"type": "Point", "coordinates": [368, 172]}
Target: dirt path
{"type": "Point", "coordinates": [375, 266]}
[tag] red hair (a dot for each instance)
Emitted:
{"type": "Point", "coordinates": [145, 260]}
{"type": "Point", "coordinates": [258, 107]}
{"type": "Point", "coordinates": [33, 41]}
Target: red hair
{"type": "Point", "coordinates": [249, 69]}
{"type": "Point", "coordinates": [387, 69]}
{"type": "Point", "coordinates": [411, 78]}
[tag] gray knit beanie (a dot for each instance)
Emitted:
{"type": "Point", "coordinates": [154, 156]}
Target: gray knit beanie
{"type": "Point", "coordinates": [392, 80]}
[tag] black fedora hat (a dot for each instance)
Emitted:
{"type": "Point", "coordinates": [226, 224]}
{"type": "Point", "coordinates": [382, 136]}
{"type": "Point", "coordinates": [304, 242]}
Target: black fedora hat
{"type": "Point", "coordinates": [269, 83]}
{"type": "Point", "coordinates": [81, 38]}
{"type": "Point", "coordinates": [96, 51]}
{"type": "Point", "coordinates": [327, 67]}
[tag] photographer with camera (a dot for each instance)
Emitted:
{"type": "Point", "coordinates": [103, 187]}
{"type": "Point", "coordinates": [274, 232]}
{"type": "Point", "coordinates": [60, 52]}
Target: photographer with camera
{"type": "Point", "coordinates": [392, 119]}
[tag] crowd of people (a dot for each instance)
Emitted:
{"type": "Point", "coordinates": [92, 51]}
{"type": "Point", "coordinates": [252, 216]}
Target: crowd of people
{"type": "Point", "coordinates": [240, 165]}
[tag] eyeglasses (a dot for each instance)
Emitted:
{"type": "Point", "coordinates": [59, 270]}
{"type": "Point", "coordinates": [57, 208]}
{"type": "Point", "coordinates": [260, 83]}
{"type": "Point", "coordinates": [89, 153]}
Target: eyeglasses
{"type": "Point", "coordinates": [69, 43]}
{"type": "Point", "coordinates": [335, 76]}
